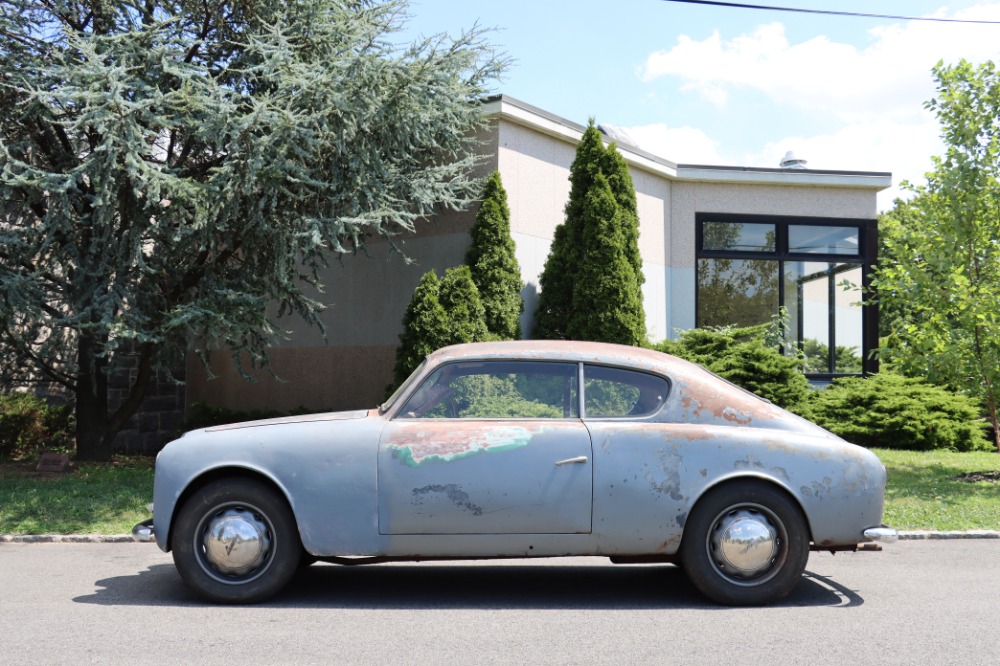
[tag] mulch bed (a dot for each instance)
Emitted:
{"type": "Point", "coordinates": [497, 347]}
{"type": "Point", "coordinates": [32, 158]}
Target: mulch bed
{"type": "Point", "coordinates": [978, 477]}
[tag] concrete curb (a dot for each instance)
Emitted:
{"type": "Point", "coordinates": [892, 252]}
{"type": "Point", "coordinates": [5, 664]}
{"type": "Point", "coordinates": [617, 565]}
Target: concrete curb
{"type": "Point", "coordinates": [920, 535]}
{"type": "Point", "coordinates": [915, 535]}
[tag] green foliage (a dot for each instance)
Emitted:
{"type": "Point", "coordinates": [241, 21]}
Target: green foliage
{"type": "Point", "coordinates": [493, 396]}
{"type": "Point", "coordinates": [170, 170]}
{"type": "Point", "coordinates": [940, 276]}
{"type": "Point", "coordinates": [592, 280]}
{"type": "Point", "coordinates": [741, 356]}
{"type": "Point", "coordinates": [441, 313]}
{"type": "Point", "coordinates": [895, 412]}
{"type": "Point", "coordinates": [816, 357]}
{"type": "Point", "coordinates": [465, 313]}
{"type": "Point", "coordinates": [28, 424]}
{"type": "Point", "coordinates": [425, 328]}
{"type": "Point", "coordinates": [607, 300]}
{"type": "Point", "coordinates": [493, 263]}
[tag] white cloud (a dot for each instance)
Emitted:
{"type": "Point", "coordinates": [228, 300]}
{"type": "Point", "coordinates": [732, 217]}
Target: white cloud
{"type": "Point", "coordinates": [874, 92]}
{"type": "Point", "coordinates": [904, 149]}
{"type": "Point", "coordinates": [684, 145]}
{"type": "Point", "coordinates": [891, 75]}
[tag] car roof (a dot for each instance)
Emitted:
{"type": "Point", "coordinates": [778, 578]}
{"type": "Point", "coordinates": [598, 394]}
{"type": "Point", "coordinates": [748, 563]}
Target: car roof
{"type": "Point", "coordinates": [559, 350]}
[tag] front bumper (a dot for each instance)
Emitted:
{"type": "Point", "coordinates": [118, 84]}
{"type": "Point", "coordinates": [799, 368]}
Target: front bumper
{"type": "Point", "coordinates": [144, 531]}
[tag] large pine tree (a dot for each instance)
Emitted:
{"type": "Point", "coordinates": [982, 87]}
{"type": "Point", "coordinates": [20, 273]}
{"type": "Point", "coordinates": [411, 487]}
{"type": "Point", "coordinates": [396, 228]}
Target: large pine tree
{"type": "Point", "coordinates": [590, 251]}
{"type": "Point", "coordinates": [493, 263]}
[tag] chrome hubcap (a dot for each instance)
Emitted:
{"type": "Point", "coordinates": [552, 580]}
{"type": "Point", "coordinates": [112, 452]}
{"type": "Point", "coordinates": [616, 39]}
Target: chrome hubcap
{"type": "Point", "coordinates": [235, 544]}
{"type": "Point", "coordinates": [744, 544]}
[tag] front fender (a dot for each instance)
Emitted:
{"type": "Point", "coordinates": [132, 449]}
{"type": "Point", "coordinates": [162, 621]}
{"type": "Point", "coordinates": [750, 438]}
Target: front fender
{"type": "Point", "coordinates": [324, 468]}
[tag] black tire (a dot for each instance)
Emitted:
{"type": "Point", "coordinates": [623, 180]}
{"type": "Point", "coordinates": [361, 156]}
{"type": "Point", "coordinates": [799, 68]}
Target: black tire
{"type": "Point", "coordinates": [745, 544]}
{"type": "Point", "coordinates": [235, 541]}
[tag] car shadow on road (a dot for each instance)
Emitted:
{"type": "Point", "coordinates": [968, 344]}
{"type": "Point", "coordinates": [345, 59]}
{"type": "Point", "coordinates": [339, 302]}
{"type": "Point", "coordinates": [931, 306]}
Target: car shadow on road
{"type": "Point", "coordinates": [446, 586]}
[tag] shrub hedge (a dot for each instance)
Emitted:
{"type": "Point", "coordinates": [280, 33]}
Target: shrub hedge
{"type": "Point", "coordinates": [28, 424]}
{"type": "Point", "coordinates": [741, 356]}
{"type": "Point", "coordinates": [896, 412]}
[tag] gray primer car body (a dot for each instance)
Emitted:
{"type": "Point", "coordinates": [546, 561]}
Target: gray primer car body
{"type": "Point", "coordinates": [378, 484]}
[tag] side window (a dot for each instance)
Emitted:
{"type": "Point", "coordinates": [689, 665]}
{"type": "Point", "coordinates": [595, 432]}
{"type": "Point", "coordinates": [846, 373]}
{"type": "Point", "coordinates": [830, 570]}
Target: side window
{"type": "Point", "coordinates": [497, 390]}
{"type": "Point", "coordinates": [613, 392]}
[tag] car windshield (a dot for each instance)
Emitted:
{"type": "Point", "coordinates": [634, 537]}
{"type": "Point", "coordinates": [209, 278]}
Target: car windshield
{"type": "Point", "coordinates": [387, 405]}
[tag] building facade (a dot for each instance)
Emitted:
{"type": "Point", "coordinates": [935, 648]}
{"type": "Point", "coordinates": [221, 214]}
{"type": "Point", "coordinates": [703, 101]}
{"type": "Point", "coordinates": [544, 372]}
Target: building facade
{"type": "Point", "coordinates": [720, 245]}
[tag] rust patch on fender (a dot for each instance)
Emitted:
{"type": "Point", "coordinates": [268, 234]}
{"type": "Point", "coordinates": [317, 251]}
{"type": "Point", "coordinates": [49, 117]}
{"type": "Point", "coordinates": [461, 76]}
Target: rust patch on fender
{"type": "Point", "coordinates": [736, 416]}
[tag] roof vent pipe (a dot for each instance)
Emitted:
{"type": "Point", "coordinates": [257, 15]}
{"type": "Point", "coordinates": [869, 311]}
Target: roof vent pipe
{"type": "Point", "coordinates": [792, 161]}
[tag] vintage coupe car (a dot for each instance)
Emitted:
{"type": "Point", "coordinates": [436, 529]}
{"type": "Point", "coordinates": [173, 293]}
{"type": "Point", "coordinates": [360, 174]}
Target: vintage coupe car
{"type": "Point", "coordinates": [522, 449]}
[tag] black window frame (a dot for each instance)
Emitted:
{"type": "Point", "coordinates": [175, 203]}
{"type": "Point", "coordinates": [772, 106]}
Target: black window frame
{"type": "Point", "coordinates": [867, 256]}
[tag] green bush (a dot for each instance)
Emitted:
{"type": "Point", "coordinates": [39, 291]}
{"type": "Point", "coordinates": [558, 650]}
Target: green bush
{"type": "Point", "coordinates": [28, 424]}
{"type": "Point", "coordinates": [742, 356]}
{"type": "Point", "coordinates": [895, 412]}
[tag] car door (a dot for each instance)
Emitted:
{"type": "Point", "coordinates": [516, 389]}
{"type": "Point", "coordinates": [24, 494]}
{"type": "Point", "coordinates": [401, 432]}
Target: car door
{"type": "Point", "coordinates": [489, 447]}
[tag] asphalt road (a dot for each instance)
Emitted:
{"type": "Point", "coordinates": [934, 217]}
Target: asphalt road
{"type": "Point", "coordinates": [930, 602]}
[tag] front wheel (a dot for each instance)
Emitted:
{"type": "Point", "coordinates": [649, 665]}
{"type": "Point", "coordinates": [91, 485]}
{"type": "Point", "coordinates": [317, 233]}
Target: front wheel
{"type": "Point", "coordinates": [745, 544]}
{"type": "Point", "coordinates": [236, 541]}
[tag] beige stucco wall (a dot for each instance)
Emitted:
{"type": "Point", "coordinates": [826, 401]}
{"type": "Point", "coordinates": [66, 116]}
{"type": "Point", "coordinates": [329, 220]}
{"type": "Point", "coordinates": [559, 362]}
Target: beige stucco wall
{"type": "Point", "coordinates": [689, 198]}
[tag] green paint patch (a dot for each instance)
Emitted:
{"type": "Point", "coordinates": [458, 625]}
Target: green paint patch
{"type": "Point", "coordinates": [450, 446]}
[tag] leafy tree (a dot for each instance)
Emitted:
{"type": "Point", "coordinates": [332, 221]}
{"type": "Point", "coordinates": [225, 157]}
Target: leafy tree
{"type": "Point", "coordinates": [494, 265]}
{"type": "Point", "coordinates": [465, 315]}
{"type": "Point", "coordinates": [169, 169]}
{"type": "Point", "coordinates": [425, 328]}
{"type": "Point", "coordinates": [600, 185]}
{"type": "Point", "coordinates": [945, 261]}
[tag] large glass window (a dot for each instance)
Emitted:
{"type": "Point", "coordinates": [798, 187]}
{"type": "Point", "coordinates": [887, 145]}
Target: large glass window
{"type": "Point", "coordinates": [738, 236]}
{"type": "Point", "coordinates": [822, 240]}
{"type": "Point", "coordinates": [750, 266]}
{"type": "Point", "coordinates": [739, 292]}
{"type": "Point", "coordinates": [823, 301]}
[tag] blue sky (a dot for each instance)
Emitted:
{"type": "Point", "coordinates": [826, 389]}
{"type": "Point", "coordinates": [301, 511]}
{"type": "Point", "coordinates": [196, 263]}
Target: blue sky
{"type": "Point", "coordinates": [740, 87]}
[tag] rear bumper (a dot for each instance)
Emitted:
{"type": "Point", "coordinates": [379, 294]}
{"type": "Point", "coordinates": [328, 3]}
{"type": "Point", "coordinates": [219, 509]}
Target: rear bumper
{"type": "Point", "coordinates": [881, 534]}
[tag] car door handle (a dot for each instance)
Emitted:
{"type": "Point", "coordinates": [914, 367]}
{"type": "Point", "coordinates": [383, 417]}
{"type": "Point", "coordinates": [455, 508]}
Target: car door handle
{"type": "Point", "coordinates": [570, 461]}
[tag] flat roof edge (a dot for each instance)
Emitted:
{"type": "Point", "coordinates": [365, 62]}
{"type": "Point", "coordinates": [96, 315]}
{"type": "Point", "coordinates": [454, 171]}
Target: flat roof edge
{"type": "Point", "coordinates": [525, 114]}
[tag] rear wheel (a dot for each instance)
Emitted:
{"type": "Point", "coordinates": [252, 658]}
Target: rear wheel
{"type": "Point", "coordinates": [745, 544]}
{"type": "Point", "coordinates": [235, 541]}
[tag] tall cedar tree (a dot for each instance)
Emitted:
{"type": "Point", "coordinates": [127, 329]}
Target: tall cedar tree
{"type": "Point", "coordinates": [425, 328]}
{"type": "Point", "coordinates": [559, 316]}
{"type": "Point", "coordinates": [443, 313]}
{"type": "Point", "coordinates": [607, 301]}
{"type": "Point", "coordinates": [465, 313]}
{"type": "Point", "coordinates": [493, 263]}
{"type": "Point", "coordinates": [170, 169]}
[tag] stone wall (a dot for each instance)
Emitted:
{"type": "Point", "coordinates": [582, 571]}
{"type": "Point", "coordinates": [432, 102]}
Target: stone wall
{"type": "Point", "coordinates": [161, 414]}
